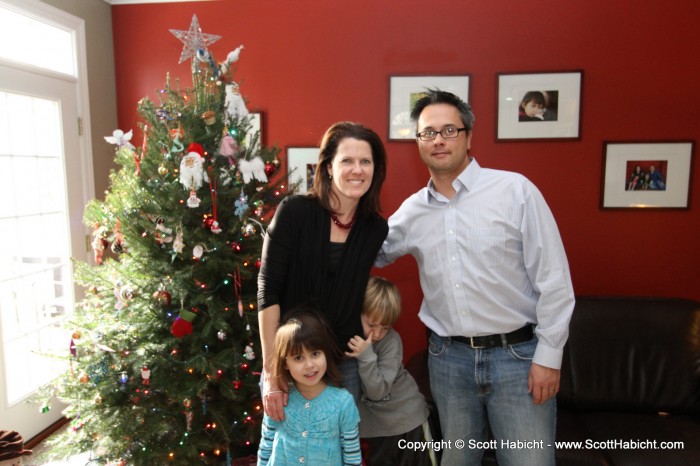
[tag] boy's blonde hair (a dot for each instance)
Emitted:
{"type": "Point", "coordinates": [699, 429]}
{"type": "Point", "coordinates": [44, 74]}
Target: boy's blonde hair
{"type": "Point", "coordinates": [382, 301]}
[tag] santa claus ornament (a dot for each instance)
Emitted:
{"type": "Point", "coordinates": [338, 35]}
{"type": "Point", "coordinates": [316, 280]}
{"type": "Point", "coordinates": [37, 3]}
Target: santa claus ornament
{"type": "Point", "coordinates": [192, 173]}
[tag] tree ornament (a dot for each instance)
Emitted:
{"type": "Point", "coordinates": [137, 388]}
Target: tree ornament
{"type": "Point", "coordinates": [162, 233]}
{"type": "Point", "coordinates": [117, 247]}
{"type": "Point", "coordinates": [269, 168]}
{"type": "Point", "coordinates": [248, 353]}
{"type": "Point", "coordinates": [229, 148]}
{"type": "Point", "coordinates": [163, 297]}
{"type": "Point", "coordinates": [145, 376]}
{"type": "Point", "coordinates": [221, 335]}
{"type": "Point", "coordinates": [162, 170]}
{"type": "Point", "coordinates": [252, 169]}
{"type": "Point", "coordinates": [179, 243]}
{"type": "Point", "coordinates": [193, 201]}
{"type": "Point", "coordinates": [235, 105]}
{"type": "Point", "coordinates": [231, 58]}
{"type": "Point", "coordinates": [192, 174]}
{"type": "Point", "coordinates": [194, 39]}
{"type": "Point", "coordinates": [259, 208]}
{"type": "Point", "coordinates": [177, 134]}
{"type": "Point", "coordinates": [99, 244]}
{"type": "Point", "coordinates": [84, 377]}
{"type": "Point", "coordinates": [237, 384]}
{"type": "Point", "coordinates": [198, 251]}
{"type": "Point", "coordinates": [209, 117]}
{"type": "Point", "coordinates": [182, 326]}
{"type": "Point", "coordinates": [248, 229]}
{"type": "Point", "coordinates": [124, 294]}
{"type": "Point", "coordinates": [118, 244]}
{"type": "Point", "coordinates": [189, 415]}
{"type": "Point", "coordinates": [241, 205]}
{"type": "Point", "coordinates": [121, 139]}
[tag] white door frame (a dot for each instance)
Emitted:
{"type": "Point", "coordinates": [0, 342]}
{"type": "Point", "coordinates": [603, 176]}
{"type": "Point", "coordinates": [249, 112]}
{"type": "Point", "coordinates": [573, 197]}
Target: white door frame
{"type": "Point", "coordinates": [78, 157]}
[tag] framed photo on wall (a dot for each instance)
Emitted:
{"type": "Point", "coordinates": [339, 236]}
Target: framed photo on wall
{"type": "Point", "coordinates": [640, 175]}
{"type": "Point", "coordinates": [301, 165]}
{"type": "Point", "coordinates": [404, 91]}
{"type": "Point", "coordinates": [538, 105]}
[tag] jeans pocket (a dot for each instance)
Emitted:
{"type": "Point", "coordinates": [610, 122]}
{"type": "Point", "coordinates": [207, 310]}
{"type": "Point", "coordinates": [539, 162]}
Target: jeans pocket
{"type": "Point", "coordinates": [436, 345]}
{"type": "Point", "coordinates": [523, 351]}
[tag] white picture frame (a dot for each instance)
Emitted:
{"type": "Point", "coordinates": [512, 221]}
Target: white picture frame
{"type": "Point", "coordinates": [301, 164]}
{"type": "Point", "coordinates": [560, 118]}
{"type": "Point", "coordinates": [405, 90]}
{"type": "Point", "coordinates": [621, 189]}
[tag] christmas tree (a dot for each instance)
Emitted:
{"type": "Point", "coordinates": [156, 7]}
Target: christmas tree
{"type": "Point", "coordinates": [164, 365]}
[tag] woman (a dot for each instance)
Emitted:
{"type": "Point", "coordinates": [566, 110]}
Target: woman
{"type": "Point", "coordinates": [320, 248]}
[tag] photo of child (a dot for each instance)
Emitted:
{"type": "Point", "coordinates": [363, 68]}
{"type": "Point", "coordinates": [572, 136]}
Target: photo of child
{"type": "Point", "coordinates": [539, 106]}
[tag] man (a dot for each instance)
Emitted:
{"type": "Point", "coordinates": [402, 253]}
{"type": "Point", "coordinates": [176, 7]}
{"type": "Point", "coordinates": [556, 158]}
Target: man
{"type": "Point", "coordinates": [497, 293]}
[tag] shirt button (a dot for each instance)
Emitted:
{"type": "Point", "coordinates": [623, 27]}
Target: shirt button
{"type": "Point", "coordinates": [307, 405]}
{"type": "Point", "coordinates": [305, 434]}
{"type": "Point", "coordinates": [301, 459]}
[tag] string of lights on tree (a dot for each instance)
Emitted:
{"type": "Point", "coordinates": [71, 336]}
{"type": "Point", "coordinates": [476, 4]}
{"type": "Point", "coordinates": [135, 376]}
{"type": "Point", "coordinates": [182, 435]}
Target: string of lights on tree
{"type": "Point", "coordinates": [163, 348]}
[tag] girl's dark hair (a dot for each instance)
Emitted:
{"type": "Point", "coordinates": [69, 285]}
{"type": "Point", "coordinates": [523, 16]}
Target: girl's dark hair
{"type": "Point", "coordinates": [306, 328]}
{"type": "Point", "coordinates": [369, 203]}
{"type": "Point", "coordinates": [535, 96]}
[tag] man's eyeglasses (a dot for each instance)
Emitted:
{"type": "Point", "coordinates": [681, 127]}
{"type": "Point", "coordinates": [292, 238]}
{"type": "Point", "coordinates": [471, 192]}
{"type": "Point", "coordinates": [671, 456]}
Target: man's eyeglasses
{"type": "Point", "coordinates": [447, 133]}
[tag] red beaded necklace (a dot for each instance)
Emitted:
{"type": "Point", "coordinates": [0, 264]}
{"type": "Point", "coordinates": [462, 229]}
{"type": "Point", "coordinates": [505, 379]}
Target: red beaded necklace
{"type": "Point", "coordinates": [344, 226]}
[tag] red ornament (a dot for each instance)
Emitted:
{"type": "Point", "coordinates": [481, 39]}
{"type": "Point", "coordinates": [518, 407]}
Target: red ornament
{"type": "Point", "coordinates": [182, 326]}
{"type": "Point", "coordinates": [195, 147]}
{"type": "Point", "coordinates": [163, 297]}
{"type": "Point", "coordinates": [270, 168]}
{"type": "Point", "coordinates": [237, 384]}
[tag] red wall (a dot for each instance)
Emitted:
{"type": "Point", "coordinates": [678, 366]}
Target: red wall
{"type": "Point", "coordinates": [309, 63]}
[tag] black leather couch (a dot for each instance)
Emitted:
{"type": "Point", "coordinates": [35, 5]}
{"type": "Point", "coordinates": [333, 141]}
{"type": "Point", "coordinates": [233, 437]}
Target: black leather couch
{"type": "Point", "coordinates": [630, 381]}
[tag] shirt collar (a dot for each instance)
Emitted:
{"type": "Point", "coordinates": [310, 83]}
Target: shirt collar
{"type": "Point", "coordinates": [466, 180]}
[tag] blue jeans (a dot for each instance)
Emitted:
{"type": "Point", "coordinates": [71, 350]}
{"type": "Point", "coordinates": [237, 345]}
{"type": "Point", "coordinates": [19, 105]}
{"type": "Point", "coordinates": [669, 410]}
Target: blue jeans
{"type": "Point", "coordinates": [351, 377]}
{"type": "Point", "coordinates": [475, 389]}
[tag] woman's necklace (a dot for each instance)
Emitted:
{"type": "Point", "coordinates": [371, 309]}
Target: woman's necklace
{"type": "Point", "coordinates": [344, 226]}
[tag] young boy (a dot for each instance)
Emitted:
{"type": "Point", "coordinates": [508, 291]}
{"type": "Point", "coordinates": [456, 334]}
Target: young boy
{"type": "Point", "coordinates": [391, 408]}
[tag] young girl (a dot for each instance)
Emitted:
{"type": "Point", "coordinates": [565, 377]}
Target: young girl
{"type": "Point", "coordinates": [392, 407]}
{"type": "Point", "coordinates": [320, 425]}
{"type": "Point", "coordinates": [532, 107]}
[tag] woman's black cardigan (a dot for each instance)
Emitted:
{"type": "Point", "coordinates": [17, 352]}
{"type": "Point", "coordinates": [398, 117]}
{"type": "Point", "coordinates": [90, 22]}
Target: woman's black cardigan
{"type": "Point", "coordinates": [294, 266]}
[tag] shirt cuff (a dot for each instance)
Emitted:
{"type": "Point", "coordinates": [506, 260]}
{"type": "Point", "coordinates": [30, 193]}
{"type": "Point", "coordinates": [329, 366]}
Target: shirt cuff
{"type": "Point", "coordinates": [547, 356]}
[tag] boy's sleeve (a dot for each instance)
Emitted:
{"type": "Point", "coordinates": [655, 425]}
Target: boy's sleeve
{"type": "Point", "coordinates": [378, 371]}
